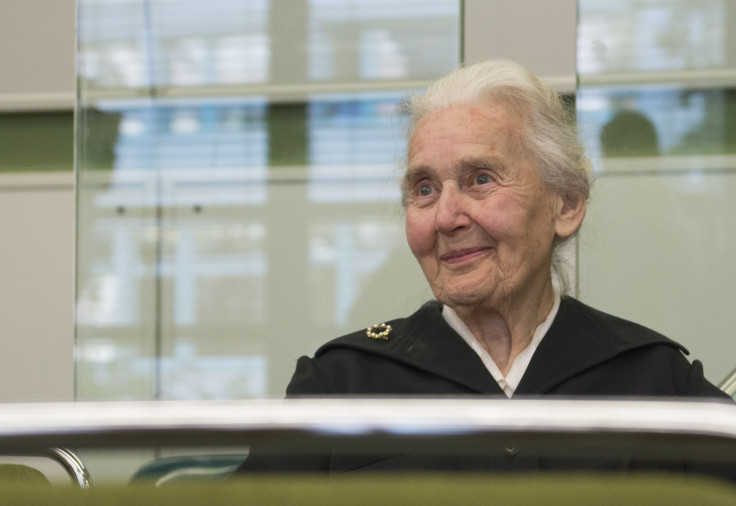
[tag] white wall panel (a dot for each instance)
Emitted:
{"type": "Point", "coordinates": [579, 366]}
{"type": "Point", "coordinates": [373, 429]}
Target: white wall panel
{"type": "Point", "coordinates": [37, 54]}
{"type": "Point", "coordinates": [36, 287]}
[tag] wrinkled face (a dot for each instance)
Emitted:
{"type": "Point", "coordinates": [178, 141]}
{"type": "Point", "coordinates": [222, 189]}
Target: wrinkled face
{"type": "Point", "coordinates": [478, 218]}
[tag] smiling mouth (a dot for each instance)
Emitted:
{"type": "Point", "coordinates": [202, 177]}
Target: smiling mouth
{"type": "Point", "coordinates": [463, 255]}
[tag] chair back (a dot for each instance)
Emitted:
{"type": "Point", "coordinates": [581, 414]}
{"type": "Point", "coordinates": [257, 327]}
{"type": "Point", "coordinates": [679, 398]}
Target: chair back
{"type": "Point", "coordinates": [21, 474]}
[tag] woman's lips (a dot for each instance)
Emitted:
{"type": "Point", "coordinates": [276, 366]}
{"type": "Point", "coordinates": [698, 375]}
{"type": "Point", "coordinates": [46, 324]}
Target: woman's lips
{"type": "Point", "coordinates": [462, 255]}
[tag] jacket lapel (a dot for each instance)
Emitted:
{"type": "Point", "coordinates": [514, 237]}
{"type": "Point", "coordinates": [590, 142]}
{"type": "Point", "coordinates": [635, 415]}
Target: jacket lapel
{"type": "Point", "coordinates": [434, 346]}
{"type": "Point", "coordinates": [581, 338]}
{"type": "Point", "coordinates": [426, 342]}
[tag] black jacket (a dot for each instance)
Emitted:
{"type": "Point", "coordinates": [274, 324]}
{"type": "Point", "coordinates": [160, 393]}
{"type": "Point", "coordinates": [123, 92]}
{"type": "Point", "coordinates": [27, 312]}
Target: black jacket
{"type": "Point", "coordinates": [584, 353]}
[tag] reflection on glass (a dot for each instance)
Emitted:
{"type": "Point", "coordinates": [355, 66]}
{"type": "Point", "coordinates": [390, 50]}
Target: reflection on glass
{"type": "Point", "coordinates": [634, 36]}
{"type": "Point", "coordinates": [656, 105]}
{"type": "Point", "coordinates": [128, 44]}
{"type": "Point", "coordinates": [232, 215]}
{"type": "Point", "coordinates": [655, 120]}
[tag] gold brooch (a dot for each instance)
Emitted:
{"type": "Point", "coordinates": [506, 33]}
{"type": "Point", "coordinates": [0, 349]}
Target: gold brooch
{"type": "Point", "coordinates": [380, 331]}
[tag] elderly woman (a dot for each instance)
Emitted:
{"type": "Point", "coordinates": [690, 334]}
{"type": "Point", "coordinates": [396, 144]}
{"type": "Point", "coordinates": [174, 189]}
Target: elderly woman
{"type": "Point", "coordinates": [495, 183]}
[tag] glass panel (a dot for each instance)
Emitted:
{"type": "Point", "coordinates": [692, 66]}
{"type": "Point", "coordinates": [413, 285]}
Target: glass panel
{"type": "Point", "coordinates": [237, 203]}
{"type": "Point", "coordinates": [656, 102]}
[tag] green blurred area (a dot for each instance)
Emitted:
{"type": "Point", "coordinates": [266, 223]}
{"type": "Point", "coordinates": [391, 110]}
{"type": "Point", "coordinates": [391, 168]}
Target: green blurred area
{"type": "Point", "coordinates": [37, 142]}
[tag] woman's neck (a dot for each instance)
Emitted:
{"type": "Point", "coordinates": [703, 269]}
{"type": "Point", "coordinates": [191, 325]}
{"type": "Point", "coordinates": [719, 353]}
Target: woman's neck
{"type": "Point", "coordinates": [505, 330]}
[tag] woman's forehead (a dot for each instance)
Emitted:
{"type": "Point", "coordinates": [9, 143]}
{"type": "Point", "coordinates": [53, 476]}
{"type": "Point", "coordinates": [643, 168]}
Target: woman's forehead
{"type": "Point", "coordinates": [464, 133]}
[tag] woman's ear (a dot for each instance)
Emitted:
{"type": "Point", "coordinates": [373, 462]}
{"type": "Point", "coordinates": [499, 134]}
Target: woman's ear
{"type": "Point", "coordinates": [570, 216]}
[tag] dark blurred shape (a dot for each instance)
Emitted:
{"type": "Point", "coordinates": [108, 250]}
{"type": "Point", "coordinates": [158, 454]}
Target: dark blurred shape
{"type": "Point", "coordinates": [629, 133]}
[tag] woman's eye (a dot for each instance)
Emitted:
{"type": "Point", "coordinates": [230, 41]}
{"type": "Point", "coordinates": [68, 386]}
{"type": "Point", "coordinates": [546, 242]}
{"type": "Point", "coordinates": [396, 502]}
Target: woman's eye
{"type": "Point", "coordinates": [482, 179]}
{"type": "Point", "coordinates": [425, 189]}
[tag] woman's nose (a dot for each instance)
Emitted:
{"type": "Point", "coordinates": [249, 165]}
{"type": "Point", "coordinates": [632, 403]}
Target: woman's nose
{"type": "Point", "coordinates": [451, 211]}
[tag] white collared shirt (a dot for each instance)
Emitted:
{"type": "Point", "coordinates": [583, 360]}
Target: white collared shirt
{"type": "Point", "coordinates": [509, 382]}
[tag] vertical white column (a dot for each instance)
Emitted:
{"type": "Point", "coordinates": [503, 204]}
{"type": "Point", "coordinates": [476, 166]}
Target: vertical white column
{"type": "Point", "coordinates": [541, 35]}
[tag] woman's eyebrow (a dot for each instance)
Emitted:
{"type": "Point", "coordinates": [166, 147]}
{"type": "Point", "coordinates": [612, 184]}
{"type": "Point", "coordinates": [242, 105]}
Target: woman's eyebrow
{"type": "Point", "coordinates": [416, 172]}
{"type": "Point", "coordinates": [482, 162]}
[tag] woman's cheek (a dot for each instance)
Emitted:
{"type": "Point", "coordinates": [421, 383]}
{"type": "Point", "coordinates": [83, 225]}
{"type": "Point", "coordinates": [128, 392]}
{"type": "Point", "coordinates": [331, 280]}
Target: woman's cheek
{"type": "Point", "coordinates": [419, 234]}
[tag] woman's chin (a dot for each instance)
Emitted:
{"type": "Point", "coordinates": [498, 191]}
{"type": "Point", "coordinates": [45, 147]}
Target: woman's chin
{"type": "Point", "coordinates": [464, 297]}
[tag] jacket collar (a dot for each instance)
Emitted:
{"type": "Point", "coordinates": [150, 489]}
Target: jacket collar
{"type": "Point", "coordinates": [579, 338]}
{"type": "Point", "coordinates": [425, 341]}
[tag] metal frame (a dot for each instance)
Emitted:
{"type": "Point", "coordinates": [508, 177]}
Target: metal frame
{"type": "Point", "coordinates": [67, 459]}
{"type": "Point", "coordinates": [697, 430]}
{"type": "Point", "coordinates": [73, 465]}
{"type": "Point", "coordinates": [709, 425]}
{"type": "Point", "coordinates": [729, 384]}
